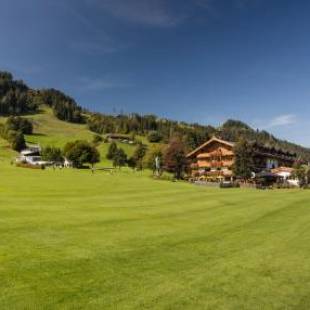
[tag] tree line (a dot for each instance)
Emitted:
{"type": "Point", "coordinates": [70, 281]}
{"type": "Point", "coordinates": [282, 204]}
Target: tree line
{"type": "Point", "coordinates": [16, 98]}
{"type": "Point", "coordinates": [154, 128]}
{"type": "Point", "coordinates": [169, 157]}
{"type": "Point", "coordinates": [233, 130]}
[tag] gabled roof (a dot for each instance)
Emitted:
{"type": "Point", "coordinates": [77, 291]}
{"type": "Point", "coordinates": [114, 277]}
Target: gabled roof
{"type": "Point", "coordinates": [214, 139]}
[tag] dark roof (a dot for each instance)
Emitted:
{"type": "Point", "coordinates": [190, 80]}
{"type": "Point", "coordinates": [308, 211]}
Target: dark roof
{"type": "Point", "coordinates": [266, 175]}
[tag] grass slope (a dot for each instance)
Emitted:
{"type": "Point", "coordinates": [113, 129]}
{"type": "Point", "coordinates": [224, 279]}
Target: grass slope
{"type": "Point", "coordinates": [48, 130]}
{"type": "Point", "coordinates": [73, 240]}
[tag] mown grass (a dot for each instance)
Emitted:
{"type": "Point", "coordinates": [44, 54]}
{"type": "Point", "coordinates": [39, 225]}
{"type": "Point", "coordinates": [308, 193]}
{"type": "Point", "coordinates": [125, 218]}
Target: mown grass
{"type": "Point", "coordinates": [73, 240]}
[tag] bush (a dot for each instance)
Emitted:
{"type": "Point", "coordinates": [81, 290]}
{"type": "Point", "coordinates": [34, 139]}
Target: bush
{"type": "Point", "coordinates": [154, 137]}
{"type": "Point", "coordinates": [25, 165]}
{"type": "Point", "coordinates": [131, 162]}
{"type": "Point", "coordinates": [17, 140]}
{"type": "Point", "coordinates": [53, 154]}
{"type": "Point", "coordinates": [166, 177]}
{"type": "Point", "coordinates": [149, 160]}
{"type": "Point", "coordinates": [229, 185]}
{"type": "Point", "coordinates": [97, 139]}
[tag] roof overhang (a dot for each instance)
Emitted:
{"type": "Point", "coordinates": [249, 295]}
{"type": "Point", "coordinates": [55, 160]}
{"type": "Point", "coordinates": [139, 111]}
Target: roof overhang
{"type": "Point", "coordinates": [214, 139]}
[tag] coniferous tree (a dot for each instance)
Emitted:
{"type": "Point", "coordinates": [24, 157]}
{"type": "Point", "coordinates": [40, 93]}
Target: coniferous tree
{"type": "Point", "coordinates": [244, 164]}
{"type": "Point", "coordinates": [112, 151]}
{"type": "Point", "coordinates": [138, 155]}
{"type": "Point", "coordinates": [120, 158]}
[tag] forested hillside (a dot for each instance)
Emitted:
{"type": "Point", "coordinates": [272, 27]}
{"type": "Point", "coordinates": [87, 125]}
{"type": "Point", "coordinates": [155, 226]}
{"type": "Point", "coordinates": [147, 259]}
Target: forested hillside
{"type": "Point", "coordinates": [232, 130]}
{"type": "Point", "coordinates": [64, 107]}
{"type": "Point", "coordinates": [16, 98]}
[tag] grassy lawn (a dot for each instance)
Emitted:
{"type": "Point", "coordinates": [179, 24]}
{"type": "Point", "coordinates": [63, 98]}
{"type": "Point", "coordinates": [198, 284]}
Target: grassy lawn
{"type": "Point", "coordinates": [72, 240]}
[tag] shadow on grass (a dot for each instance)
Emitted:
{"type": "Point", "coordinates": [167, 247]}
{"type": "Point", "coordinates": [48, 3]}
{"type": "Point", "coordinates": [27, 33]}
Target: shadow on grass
{"type": "Point", "coordinates": [38, 135]}
{"type": "Point", "coordinates": [29, 113]}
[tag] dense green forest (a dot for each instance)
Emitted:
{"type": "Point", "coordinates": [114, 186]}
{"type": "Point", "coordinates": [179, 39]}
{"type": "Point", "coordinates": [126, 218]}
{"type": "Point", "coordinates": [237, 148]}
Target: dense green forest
{"type": "Point", "coordinates": [64, 107]}
{"type": "Point", "coordinates": [16, 98]}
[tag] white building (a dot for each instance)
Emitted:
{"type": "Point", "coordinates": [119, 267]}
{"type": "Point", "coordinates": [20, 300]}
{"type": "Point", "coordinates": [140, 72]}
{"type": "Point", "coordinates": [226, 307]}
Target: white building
{"type": "Point", "coordinates": [31, 156]}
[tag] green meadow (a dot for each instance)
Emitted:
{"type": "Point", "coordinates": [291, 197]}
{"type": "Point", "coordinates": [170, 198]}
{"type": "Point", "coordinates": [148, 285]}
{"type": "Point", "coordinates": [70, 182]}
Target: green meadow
{"type": "Point", "coordinates": [71, 239]}
{"type": "Point", "coordinates": [50, 131]}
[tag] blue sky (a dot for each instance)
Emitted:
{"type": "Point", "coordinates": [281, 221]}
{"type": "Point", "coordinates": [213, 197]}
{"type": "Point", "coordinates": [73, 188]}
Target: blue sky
{"type": "Point", "coordinates": [199, 61]}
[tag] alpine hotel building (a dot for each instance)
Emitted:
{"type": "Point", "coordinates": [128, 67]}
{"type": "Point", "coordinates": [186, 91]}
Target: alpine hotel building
{"type": "Point", "coordinates": [214, 159]}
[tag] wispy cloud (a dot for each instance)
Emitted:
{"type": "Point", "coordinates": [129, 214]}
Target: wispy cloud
{"type": "Point", "coordinates": [159, 13]}
{"type": "Point", "coordinates": [278, 121]}
{"type": "Point", "coordinates": [214, 6]}
{"type": "Point", "coordinates": [73, 12]}
{"type": "Point", "coordinates": [100, 84]}
{"type": "Point", "coordinates": [281, 120]}
{"type": "Point", "coordinates": [80, 17]}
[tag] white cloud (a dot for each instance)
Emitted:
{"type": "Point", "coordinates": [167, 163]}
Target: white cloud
{"type": "Point", "coordinates": [282, 120]}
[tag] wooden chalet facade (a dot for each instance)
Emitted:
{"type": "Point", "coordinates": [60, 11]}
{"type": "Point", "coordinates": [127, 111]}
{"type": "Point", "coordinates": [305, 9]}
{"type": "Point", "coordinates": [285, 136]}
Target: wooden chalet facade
{"type": "Point", "coordinates": [215, 159]}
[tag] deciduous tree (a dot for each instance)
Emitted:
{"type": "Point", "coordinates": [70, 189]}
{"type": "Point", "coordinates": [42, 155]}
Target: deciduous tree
{"type": "Point", "coordinates": [175, 157]}
{"type": "Point", "coordinates": [81, 152]}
